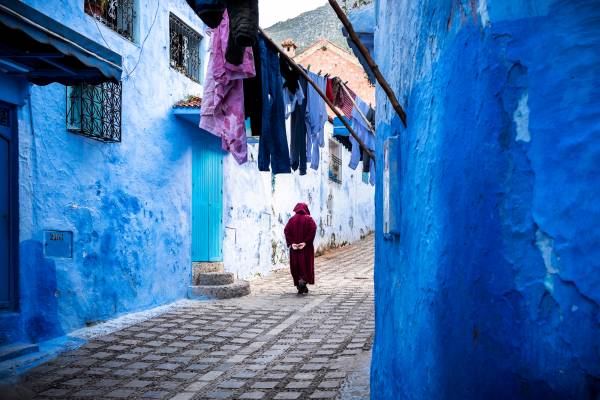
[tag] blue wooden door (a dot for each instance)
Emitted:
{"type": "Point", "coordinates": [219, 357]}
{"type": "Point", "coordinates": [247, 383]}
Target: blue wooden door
{"type": "Point", "coordinates": [207, 199]}
{"type": "Point", "coordinates": [6, 245]}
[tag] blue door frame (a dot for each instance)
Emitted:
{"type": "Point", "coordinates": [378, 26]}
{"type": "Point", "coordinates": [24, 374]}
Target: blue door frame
{"type": "Point", "coordinates": [207, 199]}
{"type": "Point", "coordinates": [8, 207]}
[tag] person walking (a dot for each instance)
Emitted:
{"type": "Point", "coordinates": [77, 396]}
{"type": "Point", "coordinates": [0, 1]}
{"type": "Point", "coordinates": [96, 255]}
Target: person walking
{"type": "Point", "coordinates": [299, 235]}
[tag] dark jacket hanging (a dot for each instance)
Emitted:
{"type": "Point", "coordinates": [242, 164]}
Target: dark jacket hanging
{"type": "Point", "coordinates": [298, 133]}
{"type": "Point", "coordinates": [292, 81]}
{"type": "Point", "coordinates": [243, 19]}
{"type": "Point", "coordinates": [209, 11]}
{"type": "Point", "coordinates": [243, 22]}
{"type": "Point", "coordinates": [253, 95]}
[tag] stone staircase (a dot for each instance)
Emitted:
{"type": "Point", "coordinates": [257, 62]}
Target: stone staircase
{"type": "Point", "coordinates": [210, 281]}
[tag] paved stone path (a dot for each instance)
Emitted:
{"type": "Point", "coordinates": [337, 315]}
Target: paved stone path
{"type": "Point", "coordinates": [273, 344]}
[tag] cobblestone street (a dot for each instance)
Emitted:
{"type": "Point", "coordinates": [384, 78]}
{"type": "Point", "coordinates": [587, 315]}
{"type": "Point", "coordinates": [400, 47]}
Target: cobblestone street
{"type": "Point", "coordinates": [273, 344]}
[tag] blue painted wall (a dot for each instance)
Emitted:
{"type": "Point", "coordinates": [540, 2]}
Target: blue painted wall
{"type": "Point", "coordinates": [492, 290]}
{"type": "Point", "coordinates": [128, 204]}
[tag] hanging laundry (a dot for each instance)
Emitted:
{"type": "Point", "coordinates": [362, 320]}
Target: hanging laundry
{"type": "Point", "coordinates": [293, 93]}
{"type": "Point", "coordinates": [290, 75]}
{"type": "Point", "coordinates": [366, 157]}
{"type": "Point", "coordinates": [222, 111]}
{"type": "Point", "coordinates": [371, 116]}
{"type": "Point", "coordinates": [362, 129]}
{"type": "Point", "coordinates": [298, 132]}
{"type": "Point", "coordinates": [244, 32]}
{"type": "Point", "coordinates": [273, 148]}
{"type": "Point", "coordinates": [329, 91]}
{"type": "Point", "coordinates": [343, 97]}
{"type": "Point", "coordinates": [209, 11]}
{"type": "Point", "coordinates": [253, 95]}
{"type": "Point", "coordinates": [341, 133]}
{"type": "Point", "coordinates": [294, 89]}
{"type": "Point", "coordinates": [292, 100]}
{"type": "Point", "coordinates": [316, 117]}
{"type": "Point", "coordinates": [243, 16]}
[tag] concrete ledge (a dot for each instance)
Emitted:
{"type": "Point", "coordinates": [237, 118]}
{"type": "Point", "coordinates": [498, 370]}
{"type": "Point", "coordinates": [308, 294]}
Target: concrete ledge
{"type": "Point", "coordinates": [205, 268]}
{"type": "Point", "coordinates": [237, 289]}
{"type": "Point", "coordinates": [17, 350]}
{"type": "Point", "coordinates": [215, 279]}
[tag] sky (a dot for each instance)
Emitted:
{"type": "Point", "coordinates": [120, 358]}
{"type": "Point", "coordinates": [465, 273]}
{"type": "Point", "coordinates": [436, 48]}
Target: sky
{"type": "Point", "coordinates": [273, 11]}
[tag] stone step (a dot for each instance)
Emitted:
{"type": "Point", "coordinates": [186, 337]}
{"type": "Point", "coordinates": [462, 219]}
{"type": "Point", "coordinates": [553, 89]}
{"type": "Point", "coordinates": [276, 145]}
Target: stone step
{"type": "Point", "coordinates": [205, 268]}
{"type": "Point", "coordinates": [214, 279]}
{"type": "Point", "coordinates": [17, 350]}
{"type": "Point", "coordinates": [236, 289]}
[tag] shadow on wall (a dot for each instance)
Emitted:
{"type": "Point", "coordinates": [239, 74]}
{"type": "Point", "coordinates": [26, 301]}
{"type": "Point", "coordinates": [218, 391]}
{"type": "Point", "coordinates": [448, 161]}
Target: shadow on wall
{"type": "Point", "coordinates": [38, 294]}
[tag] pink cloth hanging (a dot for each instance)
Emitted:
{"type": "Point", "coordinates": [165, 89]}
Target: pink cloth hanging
{"type": "Point", "coordinates": [222, 112]}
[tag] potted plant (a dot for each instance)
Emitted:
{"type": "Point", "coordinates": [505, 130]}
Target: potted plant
{"type": "Point", "coordinates": [96, 8]}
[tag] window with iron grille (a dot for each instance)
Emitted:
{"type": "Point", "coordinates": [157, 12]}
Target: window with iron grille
{"type": "Point", "coordinates": [118, 15]}
{"type": "Point", "coordinates": [184, 48]}
{"type": "Point", "coordinates": [335, 162]}
{"type": "Point", "coordinates": [95, 111]}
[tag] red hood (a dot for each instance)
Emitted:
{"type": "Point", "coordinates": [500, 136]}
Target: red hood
{"type": "Point", "coordinates": [301, 208]}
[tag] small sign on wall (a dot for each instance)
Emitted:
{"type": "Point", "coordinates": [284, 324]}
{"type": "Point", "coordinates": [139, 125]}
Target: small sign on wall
{"type": "Point", "coordinates": [58, 244]}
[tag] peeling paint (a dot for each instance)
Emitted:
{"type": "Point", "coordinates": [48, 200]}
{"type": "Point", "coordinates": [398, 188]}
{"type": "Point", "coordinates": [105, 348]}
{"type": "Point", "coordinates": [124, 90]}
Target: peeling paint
{"type": "Point", "coordinates": [546, 246]}
{"type": "Point", "coordinates": [482, 9]}
{"type": "Point", "coordinates": [521, 118]}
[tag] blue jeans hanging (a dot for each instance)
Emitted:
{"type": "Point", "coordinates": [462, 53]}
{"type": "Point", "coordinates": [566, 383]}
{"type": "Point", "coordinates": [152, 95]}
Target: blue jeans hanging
{"type": "Point", "coordinates": [273, 146]}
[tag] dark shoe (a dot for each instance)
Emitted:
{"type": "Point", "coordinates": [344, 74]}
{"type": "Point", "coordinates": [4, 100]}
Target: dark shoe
{"type": "Point", "coordinates": [303, 289]}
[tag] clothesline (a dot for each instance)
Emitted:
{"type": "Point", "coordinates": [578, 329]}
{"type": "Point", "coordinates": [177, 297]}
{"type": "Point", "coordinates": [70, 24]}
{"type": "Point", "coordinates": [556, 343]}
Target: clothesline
{"type": "Point", "coordinates": [301, 71]}
{"type": "Point", "coordinates": [245, 83]}
{"type": "Point", "coordinates": [370, 62]}
{"type": "Point", "coordinates": [363, 116]}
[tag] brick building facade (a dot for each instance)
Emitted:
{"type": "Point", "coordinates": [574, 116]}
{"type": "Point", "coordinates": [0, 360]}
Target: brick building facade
{"type": "Point", "coordinates": [328, 57]}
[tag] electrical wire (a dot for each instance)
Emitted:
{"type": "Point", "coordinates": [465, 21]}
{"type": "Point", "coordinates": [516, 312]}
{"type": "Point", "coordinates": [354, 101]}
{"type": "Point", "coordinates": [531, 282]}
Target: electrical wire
{"type": "Point", "coordinates": [144, 42]}
{"type": "Point", "coordinates": [128, 74]}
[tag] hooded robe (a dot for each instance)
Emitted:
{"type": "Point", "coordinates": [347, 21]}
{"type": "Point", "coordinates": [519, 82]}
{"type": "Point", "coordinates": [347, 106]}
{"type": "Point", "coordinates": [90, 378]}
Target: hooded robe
{"type": "Point", "coordinates": [301, 228]}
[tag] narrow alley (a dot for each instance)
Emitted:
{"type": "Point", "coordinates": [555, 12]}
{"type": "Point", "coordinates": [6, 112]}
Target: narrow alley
{"type": "Point", "coordinates": [273, 344]}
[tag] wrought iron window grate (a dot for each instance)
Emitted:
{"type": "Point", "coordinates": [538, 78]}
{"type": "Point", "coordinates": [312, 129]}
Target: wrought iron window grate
{"type": "Point", "coordinates": [335, 161]}
{"type": "Point", "coordinates": [184, 48]}
{"type": "Point", "coordinates": [335, 169]}
{"type": "Point", "coordinates": [118, 15]}
{"type": "Point", "coordinates": [95, 111]}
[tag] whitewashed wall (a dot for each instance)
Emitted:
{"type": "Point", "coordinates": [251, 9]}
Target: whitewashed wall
{"type": "Point", "coordinates": [256, 209]}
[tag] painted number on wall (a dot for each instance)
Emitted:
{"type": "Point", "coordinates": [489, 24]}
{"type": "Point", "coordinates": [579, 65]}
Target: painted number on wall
{"type": "Point", "coordinates": [57, 236]}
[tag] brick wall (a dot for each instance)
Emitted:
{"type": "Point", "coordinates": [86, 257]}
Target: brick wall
{"type": "Point", "coordinates": [328, 58]}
